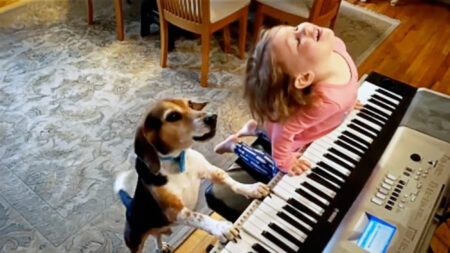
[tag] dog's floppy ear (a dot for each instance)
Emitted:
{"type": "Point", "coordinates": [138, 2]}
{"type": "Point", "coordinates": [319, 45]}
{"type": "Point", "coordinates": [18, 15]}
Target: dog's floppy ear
{"type": "Point", "coordinates": [197, 106]}
{"type": "Point", "coordinates": [146, 152]}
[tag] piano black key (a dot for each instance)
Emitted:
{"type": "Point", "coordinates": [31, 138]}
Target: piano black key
{"type": "Point", "coordinates": [338, 161]}
{"type": "Point", "coordinates": [310, 197]}
{"type": "Point", "coordinates": [316, 191]}
{"type": "Point", "coordinates": [303, 208]}
{"type": "Point", "coordinates": [365, 126]}
{"type": "Point", "coordinates": [360, 130]}
{"type": "Point", "coordinates": [367, 117]}
{"type": "Point", "coordinates": [373, 115]}
{"type": "Point", "coordinates": [352, 142]}
{"type": "Point", "coordinates": [384, 100]}
{"type": "Point", "coordinates": [285, 234]}
{"type": "Point", "coordinates": [375, 110]}
{"type": "Point", "coordinates": [293, 222]}
{"type": "Point", "coordinates": [330, 168]}
{"type": "Point", "coordinates": [300, 216]}
{"type": "Point", "coordinates": [381, 104]}
{"type": "Point", "coordinates": [342, 155]}
{"type": "Point", "coordinates": [277, 242]}
{"type": "Point", "coordinates": [349, 148]}
{"type": "Point", "coordinates": [259, 249]}
{"type": "Point", "coordinates": [320, 180]}
{"type": "Point", "coordinates": [321, 171]}
{"type": "Point", "coordinates": [356, 138]}
{"type": "Point", "coordinates": [387, 94]}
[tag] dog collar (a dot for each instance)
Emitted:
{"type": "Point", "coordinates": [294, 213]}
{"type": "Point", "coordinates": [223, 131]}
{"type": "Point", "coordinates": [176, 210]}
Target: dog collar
{"type": "Point", "coordinates": [179, 159]}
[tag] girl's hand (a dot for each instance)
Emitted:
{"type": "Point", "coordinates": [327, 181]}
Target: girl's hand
{"type": "Point", "coordinates": [358, 105]}
{"type": "Point", "coordinates": [300, 166]}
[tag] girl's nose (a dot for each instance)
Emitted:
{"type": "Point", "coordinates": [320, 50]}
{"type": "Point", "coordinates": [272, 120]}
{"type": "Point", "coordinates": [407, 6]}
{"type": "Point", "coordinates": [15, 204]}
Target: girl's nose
{"type": "Point", "coordinates": [299, 31]}
{"type": "Point", "coordinates": [309, 30]}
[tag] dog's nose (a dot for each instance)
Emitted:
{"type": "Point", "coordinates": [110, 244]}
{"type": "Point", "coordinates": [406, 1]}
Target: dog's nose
{"type": "Point", "coordinates": [210, 120]}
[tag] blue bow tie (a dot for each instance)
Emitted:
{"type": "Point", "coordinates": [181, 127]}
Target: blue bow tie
{"type": "Point", "coordinates": [179, 159]}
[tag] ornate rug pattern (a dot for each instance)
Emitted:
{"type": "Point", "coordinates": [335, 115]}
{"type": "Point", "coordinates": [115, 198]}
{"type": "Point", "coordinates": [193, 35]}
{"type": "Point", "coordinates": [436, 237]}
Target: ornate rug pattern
{"type": "Point", "coordinates": [71, 96]}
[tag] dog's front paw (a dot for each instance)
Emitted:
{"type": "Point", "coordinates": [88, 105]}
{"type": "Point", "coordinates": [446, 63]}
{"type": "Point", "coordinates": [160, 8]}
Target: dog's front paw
{"type": "Point", "coordinates": [256, 190]}
{"type": "Point", "coordinates": [165, 248]}
{"type": "Point", "coordinates": [226, 231]}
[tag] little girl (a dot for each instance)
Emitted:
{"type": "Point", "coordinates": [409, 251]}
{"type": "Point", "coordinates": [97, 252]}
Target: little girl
{"type": "Point", "coordinates": [301, 84]}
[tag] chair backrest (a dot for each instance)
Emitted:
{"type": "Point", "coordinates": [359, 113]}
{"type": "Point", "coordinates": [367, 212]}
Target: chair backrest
{"type": "Point", "coordinates": [191, 13]}
{"type": "Point", "coordinates": [324, 11]}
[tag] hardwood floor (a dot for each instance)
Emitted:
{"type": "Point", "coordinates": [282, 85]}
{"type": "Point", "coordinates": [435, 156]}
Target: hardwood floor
{"type": "Point", "coordinates": [6, 5]}
{"type": "Point", "coordinates": [416, 53]}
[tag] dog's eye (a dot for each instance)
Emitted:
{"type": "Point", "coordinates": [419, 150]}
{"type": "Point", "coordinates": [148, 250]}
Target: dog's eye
{"type": "Point", "coordinates": [173, 116]}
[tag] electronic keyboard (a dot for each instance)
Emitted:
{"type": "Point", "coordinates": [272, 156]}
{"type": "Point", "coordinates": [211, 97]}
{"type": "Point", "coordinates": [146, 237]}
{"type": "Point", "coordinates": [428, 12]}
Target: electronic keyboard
{"type": "Point", "coordinates": [375, 182]}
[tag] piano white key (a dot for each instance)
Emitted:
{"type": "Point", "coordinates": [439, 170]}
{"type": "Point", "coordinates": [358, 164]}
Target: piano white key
{"type": "Point", "coordinates": [245, 244]}
{"type": "Point", "coordinates": [274, 205]}
{"type": "Point", "coordinates": [263, 226]}
{"type": "Point", "coordinates": [360, 135]}
{"type": "Point", "coordinates": [365, 91]}
{"type": "Point", "coordinates": [375, 126]}
{"type": "Point", "coordinates": [276, 202]}
{"type": "Point", "coordinates": [308, 203]}
{"type": "Point", "coordinates": [296, 180]}
{"type": "Point", "coordinates": [387, 112]}
{"type": "Point", "coordinates": [267, 212]}
{"type": "Point", "coordinates": [385, 104]}
{"type": "Point", "coordinates": [342, 160]}
{"type": "Point", "coordinates": [322, 188]}
{"type": "Point", "coordinates": [291, 188]}
{"type": "Point", "coordinates": [327, 144]}
{"type": "Point", "coordinates": [331, 143]}
{"type": "Point", "coordinates": [316, 159]}
{"type": "Point", "coordinates": [254, 230]}
{"type": "Point", "coordinates": [351, 145]}
{"type": "Point", "coordinates": [333, 135]}
{"type": "Point", "coordinates": [224, 250]}
{"type": "Point", "coordinates": [250, 228]}
{"type": "Point", "coordinates": [389, 98]}
{"type": "Point", "coordinates": [324, 201]}
{"type": "Point", "coordinates": [331, 174]}
{"type": "Point", "coordinates": [269, 216]}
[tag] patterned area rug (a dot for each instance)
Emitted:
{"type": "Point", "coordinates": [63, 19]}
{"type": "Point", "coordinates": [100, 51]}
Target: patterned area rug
{"type": "Point", "coordinates": [71, 96]}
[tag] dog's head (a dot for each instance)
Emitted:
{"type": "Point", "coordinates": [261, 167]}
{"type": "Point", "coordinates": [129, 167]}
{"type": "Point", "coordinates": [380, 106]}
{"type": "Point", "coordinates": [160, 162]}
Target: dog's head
{"type": "Point", "coordinates": [171, 126]}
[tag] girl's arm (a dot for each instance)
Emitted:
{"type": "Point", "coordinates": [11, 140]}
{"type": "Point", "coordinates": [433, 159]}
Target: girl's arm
{"type": "Point", "coordinates": [283, 139]}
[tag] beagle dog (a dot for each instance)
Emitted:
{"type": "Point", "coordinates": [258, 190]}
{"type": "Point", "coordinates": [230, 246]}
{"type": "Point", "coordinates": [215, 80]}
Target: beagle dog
{"type": "Point", "coordinates": [169, 173]}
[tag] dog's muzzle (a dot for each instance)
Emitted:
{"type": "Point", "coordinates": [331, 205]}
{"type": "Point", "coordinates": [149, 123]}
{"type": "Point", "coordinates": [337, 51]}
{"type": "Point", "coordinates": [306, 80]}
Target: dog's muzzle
{"type": "Point", "coordinates": [211, 122]}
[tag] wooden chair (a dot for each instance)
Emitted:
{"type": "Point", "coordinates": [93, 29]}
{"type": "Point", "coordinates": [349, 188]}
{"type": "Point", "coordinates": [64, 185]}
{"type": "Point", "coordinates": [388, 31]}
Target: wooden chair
{"type": "Point", "coordinates": [203, 17]}
{"type": "Point", "coordinates": [119, 16]}
{"type": "Point", "coordinates": [293, 12]}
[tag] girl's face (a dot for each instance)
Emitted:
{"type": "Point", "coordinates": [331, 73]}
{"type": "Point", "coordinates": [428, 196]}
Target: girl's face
{"type": "Point", "coordinates": [301, 48]}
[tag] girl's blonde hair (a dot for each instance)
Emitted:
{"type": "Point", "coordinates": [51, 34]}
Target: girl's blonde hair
{"type": "Point", "coordinates": [268, 89]}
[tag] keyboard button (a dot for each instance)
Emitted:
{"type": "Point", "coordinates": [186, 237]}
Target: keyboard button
{"type": "Point", "coordinates": [377, 201]}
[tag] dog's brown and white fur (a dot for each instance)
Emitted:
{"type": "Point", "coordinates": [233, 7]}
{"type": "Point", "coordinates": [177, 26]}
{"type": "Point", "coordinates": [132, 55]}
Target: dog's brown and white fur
{"type": "Point", "coordinates": [164, 195]}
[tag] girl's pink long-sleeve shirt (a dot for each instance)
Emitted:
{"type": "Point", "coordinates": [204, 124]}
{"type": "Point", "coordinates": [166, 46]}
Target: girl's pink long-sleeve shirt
{"type": "Point", "coordinates": [311, 123]}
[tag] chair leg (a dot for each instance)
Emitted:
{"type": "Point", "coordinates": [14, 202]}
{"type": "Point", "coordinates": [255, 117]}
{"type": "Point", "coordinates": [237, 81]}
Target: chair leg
{"type": "Point", "coordinates": [119, 19]}
{"type": "Point", "coordinates": [205, 59]}
{"type": "Point", "coordinates": [90, 10]}
{"type": "Point", "coordinates": [226, 39]}
{"type": "Point", "coordinates": [259, 18]}
{"type": "Point", "coordinates": [164, 31]}
{"type": "Point", "coordinates": [243, 32]}
{"type": "Point", "coordinates": [333, 22]}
